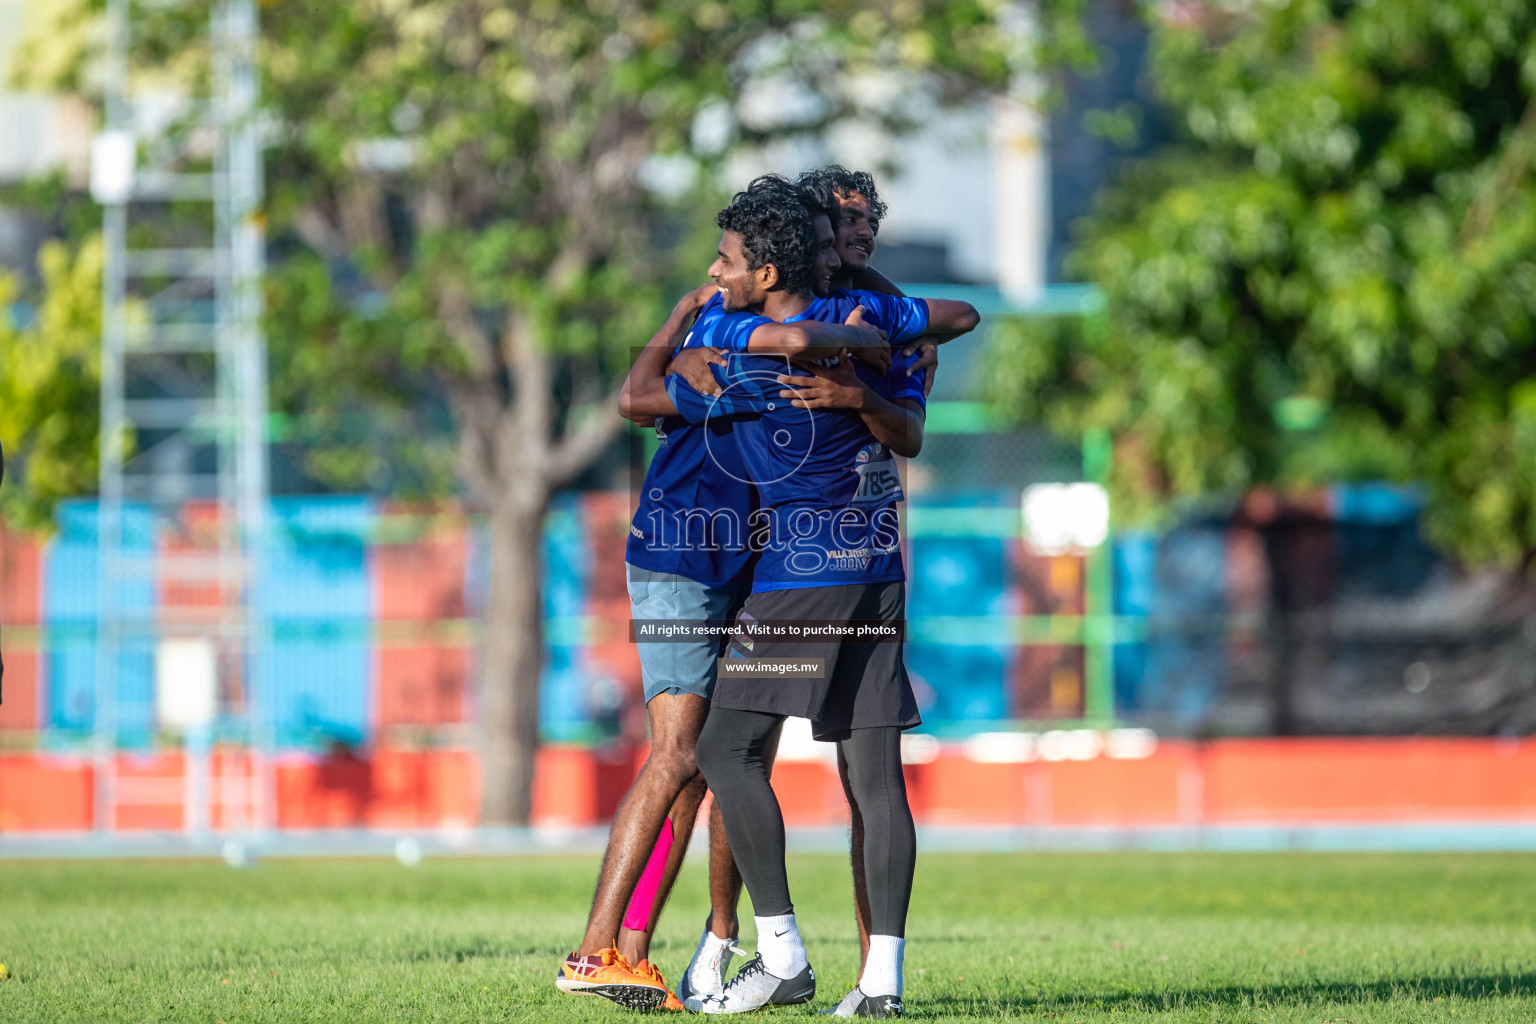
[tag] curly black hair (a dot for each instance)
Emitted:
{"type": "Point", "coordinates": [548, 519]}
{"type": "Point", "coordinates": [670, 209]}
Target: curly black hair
{"type": "Point", "coordinates": [818, 197]}
{"type": "Point", "coordinates": [776, 228]}
{"type": "Point", "coordinates": [840, 181]}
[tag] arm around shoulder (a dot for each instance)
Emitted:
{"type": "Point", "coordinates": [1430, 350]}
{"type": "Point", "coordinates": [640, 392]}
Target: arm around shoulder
{"type": "Point", "coordinates": [951, 317]}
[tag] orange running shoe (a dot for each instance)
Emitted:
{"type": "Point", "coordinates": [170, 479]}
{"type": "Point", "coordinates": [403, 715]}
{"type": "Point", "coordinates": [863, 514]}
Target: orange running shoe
{"type": "Point", "coordinates": [606, 973]}
{"type": "Point", "coordinates": [650, 970]}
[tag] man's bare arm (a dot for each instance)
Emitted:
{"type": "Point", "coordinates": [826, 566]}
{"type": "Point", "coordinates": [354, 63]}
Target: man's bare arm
{"type": "Point", "coordinates": [947, 318]}
{"type": "Point", "coordinates": [644, 395]}
{"type": "Point", "coordinates": [896, 424]}
{"type": "Point", "coordinates": [954, 319]}
{"type": "Point", "coordinates": [814, 339]}
{"type": "Point", "coordinates": [950, 318]}
{"type": "Point", "coordinates": [871, 280]}
{"type": "Point", "coordinates": [802, 340]}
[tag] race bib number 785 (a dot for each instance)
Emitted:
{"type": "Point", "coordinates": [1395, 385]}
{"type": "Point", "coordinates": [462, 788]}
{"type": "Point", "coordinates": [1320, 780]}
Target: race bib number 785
{"type": "Point", "coordinates": [879, 483]}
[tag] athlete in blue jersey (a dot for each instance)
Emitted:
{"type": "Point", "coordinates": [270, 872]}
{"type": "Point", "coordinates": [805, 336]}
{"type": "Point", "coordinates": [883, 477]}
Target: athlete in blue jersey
{"type": "Point", "coordinates": [818, 449]}
{"type": "Point", "coordinates": [858, 211]}
{"type": "Point", "coordinates": [696, 503]}
{"type": "Point", "coordinates": [854, 208]}
{"type": "Point", "coordinates": [687, 560]}
{"type": "Point", "coordinates": [828, 484]}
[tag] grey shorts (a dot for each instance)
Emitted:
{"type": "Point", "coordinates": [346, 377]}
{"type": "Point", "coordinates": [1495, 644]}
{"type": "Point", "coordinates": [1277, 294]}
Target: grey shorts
{"type": "Point", "coordinates": [679, 666]}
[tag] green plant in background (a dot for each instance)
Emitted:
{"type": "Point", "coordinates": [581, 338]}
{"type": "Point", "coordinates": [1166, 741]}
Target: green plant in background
{"type": "Point", "coordinates": [477, 210]}
{"type": "Point", "coordinates": [1331, 275]}
{"type": "Point", "coordinates": [50, 378]}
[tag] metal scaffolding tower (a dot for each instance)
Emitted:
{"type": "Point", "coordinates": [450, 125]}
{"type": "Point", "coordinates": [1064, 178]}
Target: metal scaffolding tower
{"type": "Point", "coordinates": [183, 427]}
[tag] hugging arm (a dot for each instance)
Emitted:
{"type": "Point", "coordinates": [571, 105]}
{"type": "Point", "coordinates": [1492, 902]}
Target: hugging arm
{"type": "Point", "coordinates": [802, 339]}
{"type": "Point", "coordinates": [895, 423]}
{"type": "Point", "coordinates": [815, 339]}
{"type": "Point", "coordinates": [644, 395]}
{"type": "Point", "coordinates": [871, 280]}
{"type": "Point", "coordinates": [947, 320]}
{"type": "Point", "coordinates": [950, 318]}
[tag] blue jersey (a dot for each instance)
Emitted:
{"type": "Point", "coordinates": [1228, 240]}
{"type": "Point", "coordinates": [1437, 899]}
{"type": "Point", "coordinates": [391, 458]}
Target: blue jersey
{"type": "Point", "coordinates": [696, 502]}
{"type": "Point", "coordinates": [827, 488]}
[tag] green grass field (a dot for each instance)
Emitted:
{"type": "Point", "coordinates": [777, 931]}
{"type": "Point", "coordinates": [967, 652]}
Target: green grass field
{"type": "Point", "coordinates": [993, 937]}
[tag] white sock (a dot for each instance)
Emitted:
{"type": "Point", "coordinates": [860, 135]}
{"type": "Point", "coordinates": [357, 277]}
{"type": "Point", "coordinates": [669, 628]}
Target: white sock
{"type": "Point", "coordinates": [778, 940]}
{"type": "Point", "coordinates": [882, 971]}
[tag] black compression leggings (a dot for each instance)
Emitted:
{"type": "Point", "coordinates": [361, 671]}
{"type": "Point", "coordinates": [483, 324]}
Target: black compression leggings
{"type": "Point", "coordinates": [730, 754]}
{"type": "Point", "coordinates": [879, 789]}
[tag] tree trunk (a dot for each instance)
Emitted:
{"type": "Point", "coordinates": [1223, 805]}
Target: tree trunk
{"type": "Point", "coordinates": [512, 655]}
{"type": "Point", "coordinates": [514, 465]}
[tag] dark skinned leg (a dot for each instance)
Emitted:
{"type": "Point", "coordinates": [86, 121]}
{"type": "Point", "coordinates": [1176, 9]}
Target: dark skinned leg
{"type": "Point", "coordinates": [724, 879]}
{"type": "Point", "coordinates": [861, 913]}
{"type": "Point", "coordinates": [675, 723]}
{"type": "Point", "coordinates": [636, 945]}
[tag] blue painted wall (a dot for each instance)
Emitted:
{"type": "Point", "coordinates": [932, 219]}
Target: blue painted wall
{"type": "Point", "coordinates": [314, 587]}
{"type": "Point", "coordinates": [70, 604]}
{"type": "Point", "coordinates": [960, 576]}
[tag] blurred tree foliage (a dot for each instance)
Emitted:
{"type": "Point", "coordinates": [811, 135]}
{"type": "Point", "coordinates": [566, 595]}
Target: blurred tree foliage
{"type": "Point", "coordinates": [50, 337]}
{"type": "Point", "coordinates": [480, 208]}
{"type": "Point", "coordinates": [1332, 275]}
{"type": "Point", "coordinates": [50, 378]}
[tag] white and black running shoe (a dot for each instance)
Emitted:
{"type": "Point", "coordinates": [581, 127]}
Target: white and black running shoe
{"type": "Point", "coordinates": [857, 1004]}
{"type": "Point", "coordinates": [753, 988]}
{"type": "Point", "coordinates": [846, 1005]}
{"type": "Point", "coordinates": [705, 975]}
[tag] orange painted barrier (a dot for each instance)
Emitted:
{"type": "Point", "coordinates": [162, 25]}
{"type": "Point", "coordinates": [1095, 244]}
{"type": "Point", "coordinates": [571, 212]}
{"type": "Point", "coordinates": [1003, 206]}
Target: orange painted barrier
{"type": "Point", "coordinates": [43, 793]}
{"type": "Point", "coordinates": [421, 684]}
{"type": "Point", "coordinates": [1224, 782]}
{"type": "Point", "coordinates": [20, 606]}
{"type": "Point", "coordinates": [809, 793]}
{"type": "Point", "coordinates": [419, 578]}
{"type": "Point", "coordinates": [417, 584]}
{"type": "Point", "coordinates": [19, 710]}
{"type": "Point", "coordinates": [1370, 779]}
{"type": "Point", "coordinates": [390, 789]}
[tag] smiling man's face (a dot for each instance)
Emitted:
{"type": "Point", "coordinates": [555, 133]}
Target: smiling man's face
{"type": "Point", "coordinates": [855, 231]}
{"type": "Point", "coordinates": [740, 288]}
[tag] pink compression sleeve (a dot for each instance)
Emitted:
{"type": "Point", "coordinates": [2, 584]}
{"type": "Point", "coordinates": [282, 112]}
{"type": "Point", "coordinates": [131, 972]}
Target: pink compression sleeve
{"type": "Point", "coordinates": [638, 914]}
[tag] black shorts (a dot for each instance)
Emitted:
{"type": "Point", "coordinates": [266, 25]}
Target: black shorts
{"type": "Point", "coordinates": [862, 684]}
